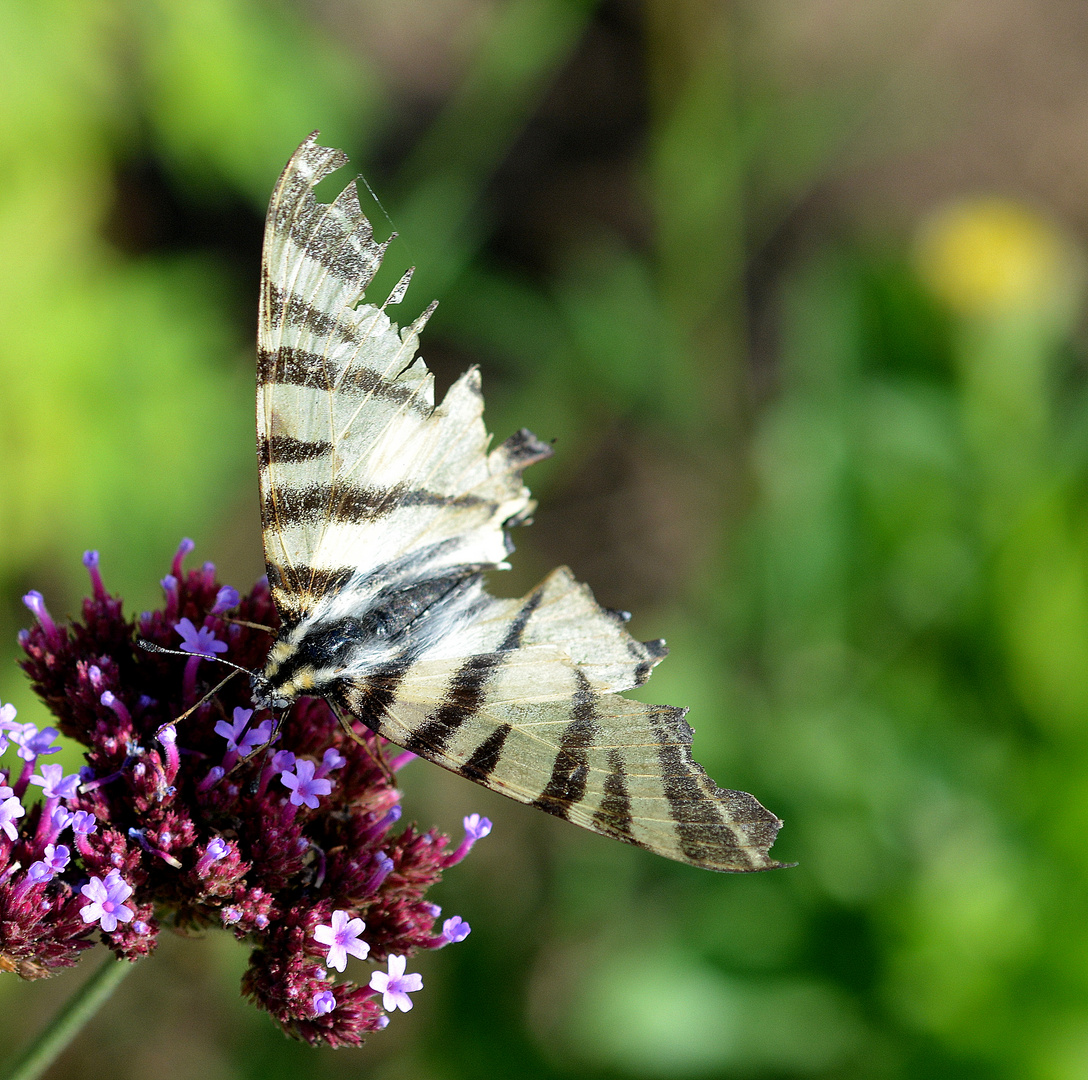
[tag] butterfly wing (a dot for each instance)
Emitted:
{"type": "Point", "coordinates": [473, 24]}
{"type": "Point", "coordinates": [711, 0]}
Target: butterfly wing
{"type": "Point", "coordinates": [358, 468]}
{"type": "Point", "coordinates": [381, 509]}
{"type": "Point", "coordinates": [524, 700]}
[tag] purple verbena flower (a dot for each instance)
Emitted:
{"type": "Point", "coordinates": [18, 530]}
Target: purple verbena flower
{"type": "Point", "coordinates": [303, 786]}
{"type": "Point", "coordinates": [342, 937]}
{"type": "Point", "coordinates": [239, 740]}
{"type": "Point", "coordinates": [330, 760]}
{"type": "Point", "coordinates": [54, 784]}
{"type": "Point", "coordinates": [456, 929]}
{"type": "Point", "coordinates": [396, 985]}
{"type": "Point", "coordinates": [36, 603]}
{"type": "Point", "coordinates": [283, 760]}
{"type": "Point", "coordinates": [8, 723]}
{"type": "Point", "coordinates": [90, 560]}
{"type": "Point", "coordinates": [225, 599]}
{"type": "Point", "coordinates": [107, 901]}
{"type": "Point", "coordinates": [56, 859]}
{"type": "Point", "coordinates": [83, 823]}
{"type": "Point", "coordinates": [60, 819]}
{"type": "Point", "coordinates": [202, 641]}
{"type": "Point", "coordinates": [476, 828]}
{"type": "Point", "coordinates": [184, 548]}
{"type": "Point", "coordinates": [33, 743]}
{"type": "Point", "coordinates": [324, 1002]}
{"type": "Point", "coordinates": [383, 867]}
{"type": "Point", "coordinates": [11, 809]}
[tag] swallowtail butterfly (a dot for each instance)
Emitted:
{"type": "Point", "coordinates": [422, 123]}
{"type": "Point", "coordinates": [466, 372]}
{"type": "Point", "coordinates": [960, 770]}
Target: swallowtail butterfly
{"type": "Point", "coordinates": [382, 511]}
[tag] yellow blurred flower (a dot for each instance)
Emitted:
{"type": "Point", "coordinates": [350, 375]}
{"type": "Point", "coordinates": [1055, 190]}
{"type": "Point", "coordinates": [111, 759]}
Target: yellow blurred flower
{"type": "Point", "coordinates": [990, 256]}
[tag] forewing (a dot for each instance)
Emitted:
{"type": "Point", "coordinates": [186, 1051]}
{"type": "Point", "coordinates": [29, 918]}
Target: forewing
{"type": "Point", "coordinates": [358, 468]}
{"type": "Point", "coordinates": [532, 713]}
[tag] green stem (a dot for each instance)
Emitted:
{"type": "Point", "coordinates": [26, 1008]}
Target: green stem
{"type": "Point", "coordinates": [45, 1049]}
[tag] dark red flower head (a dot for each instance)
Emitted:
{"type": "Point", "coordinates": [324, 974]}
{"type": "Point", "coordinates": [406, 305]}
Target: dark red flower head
{"type": "Point", "coordinates": [287, 843]}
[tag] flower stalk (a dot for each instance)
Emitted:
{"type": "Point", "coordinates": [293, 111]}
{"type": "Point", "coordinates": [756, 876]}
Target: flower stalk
{"type": "Point", "coordinates": [80, 1007]}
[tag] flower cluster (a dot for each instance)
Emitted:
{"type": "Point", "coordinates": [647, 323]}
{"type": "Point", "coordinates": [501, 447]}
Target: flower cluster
{"type": "Point", "coordinates": [280, 829]}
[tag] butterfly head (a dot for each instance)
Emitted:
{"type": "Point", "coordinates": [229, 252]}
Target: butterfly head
{"type": "Point", "coordinates": [292, 670]}
{"type": "Point", "coordinates": [268, 696]}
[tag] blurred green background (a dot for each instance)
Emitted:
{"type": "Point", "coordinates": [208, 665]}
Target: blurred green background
{"type": "Point", "coordinates": [797, 288]}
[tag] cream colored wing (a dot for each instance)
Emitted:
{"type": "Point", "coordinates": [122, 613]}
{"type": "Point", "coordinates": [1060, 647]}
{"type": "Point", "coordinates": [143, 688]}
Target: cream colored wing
{"type": "Point", "coordinates": [358, 467]}
{"type": "Point", "coordinates": [529, 708]}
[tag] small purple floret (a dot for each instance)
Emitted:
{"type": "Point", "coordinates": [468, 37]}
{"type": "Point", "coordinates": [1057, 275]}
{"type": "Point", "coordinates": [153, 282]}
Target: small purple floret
{"type": "Point", "coordinates": [11, 809]}
{"type": "Point", "coordinates": [36, 602]}
{"type": "Point", "coordinates": [283, 760]}
{"type": "Point", "coordinates": [215, 774]}
{"type": "Point", "coordinates": [116, 706]}
{"type": "Point", "coordinates": [184, 548]}
{"type": "Point", "coordinates": [331, 759]}
{"type": "Point", "coordinates": [239, 740]}
{"type": "Point", "coordinates": [90, 560]}
{"type": "Point", "coordinates": [456, 929]}
{"type": "Point", "coordinates": [342, 937]}
{"type": "Point", "coordinates": [202, 640]}
{"type": "Point", "coordinates": [218, 848]}
{"type": "Point", "coordinates": [56, 859]}
{"type": "Point", "coordinates": [225, 599]}
{"type": "Point", "coordinates": [54, 784]}
{"type": "Point", "coordinates": [33, 743]}
{"type": "Point", "coordinates": [60, 819]}
{"type": "Point", "coordinates": [476, 827]}
{"type": "Point", "coordinates": [383, 867]}
{"type": "Point", "coordinates": [303, 785]}
{"type": "Point", "coordinates": [232, 730]}
{"type": "Point", "coordinates": [106, 901]}
{"type": "Point", "coordinates": [83, 823]}
{"type": "Point", "coordinates": [396, 985]}
{"type": "Point", "coordinates": [324, 1002]}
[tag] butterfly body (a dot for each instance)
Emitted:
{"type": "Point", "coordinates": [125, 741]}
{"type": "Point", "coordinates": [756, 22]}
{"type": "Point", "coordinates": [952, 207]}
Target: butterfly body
{"type": "Point", "coordinates": [383, 510]}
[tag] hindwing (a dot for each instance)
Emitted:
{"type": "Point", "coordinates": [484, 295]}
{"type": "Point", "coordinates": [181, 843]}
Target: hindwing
{"type": "Point", "coordinates": [532, 711]}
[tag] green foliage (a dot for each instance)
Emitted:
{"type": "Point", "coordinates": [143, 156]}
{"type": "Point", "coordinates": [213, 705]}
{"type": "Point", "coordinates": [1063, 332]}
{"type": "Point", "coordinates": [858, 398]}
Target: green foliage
{"type": "Point", "coordinates": [881, 624]}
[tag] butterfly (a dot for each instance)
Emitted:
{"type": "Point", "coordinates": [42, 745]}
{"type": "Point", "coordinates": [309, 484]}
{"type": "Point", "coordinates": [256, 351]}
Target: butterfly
{"type": "Point", "coordinates": [382, 511]}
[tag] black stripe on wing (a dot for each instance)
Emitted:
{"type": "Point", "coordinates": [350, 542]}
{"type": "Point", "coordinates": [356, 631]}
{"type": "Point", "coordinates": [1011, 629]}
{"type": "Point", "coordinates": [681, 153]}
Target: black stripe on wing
{"type": "Point", "coordinates": [464, 696]}
{"type": "Point", "coordinates": [290, 366]}
{"type": "Point", "coordinates": [284, 450]}
{"type": "Point", "coordinates": [296, 587]}
{"type": "Point", "coordinates": [485, 758]}
{"type": "Point", "coordinates": [708, 819]}
{"type": "Point", "coordinates": [300, 312]}
{"type": "Point", "coordinates": [468, 688]}
{"type": "Point", "coordinates": [284, 506]}
{"type": "Point", "coordinates": [614, 816]}
{"type": "Point", "coordinates": [567, 784]}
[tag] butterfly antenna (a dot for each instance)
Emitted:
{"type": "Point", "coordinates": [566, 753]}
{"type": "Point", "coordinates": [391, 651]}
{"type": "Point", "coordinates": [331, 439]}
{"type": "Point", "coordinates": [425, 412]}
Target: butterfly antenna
{"type": "Point", "coordinates": [211, 693]}
{"type": "Point", "coordinates": [251, 625]}
{"type": "Point", "coordinates": [150, 646]}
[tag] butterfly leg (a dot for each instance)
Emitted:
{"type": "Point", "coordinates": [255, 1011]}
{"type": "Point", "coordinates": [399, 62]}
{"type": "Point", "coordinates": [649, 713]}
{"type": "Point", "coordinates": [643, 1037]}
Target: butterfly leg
{"type": "Point", "coordinates": [374, 750]}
